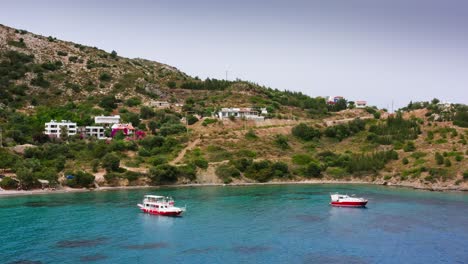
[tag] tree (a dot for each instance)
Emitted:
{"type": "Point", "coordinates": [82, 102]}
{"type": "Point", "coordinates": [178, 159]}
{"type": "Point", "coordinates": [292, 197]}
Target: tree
{"type": "Point", "coordinates": [305, 132]}
{"type": "Point", "coordinates": [314, 169]}
{"type": "Point", "coordinates": [108, 102]}
{"type": "Point", "coordinates": [164, 173]}
{"type": "Point", "coordinates": [113, 54]}
{"type": "Point", "coordinates": [64, 132]}
{"type": "Point", "coordinates": [111, 162]}
{"type": "Point", "coordinates": [191, 119]}
{"type": "Point", "coordinates": [152, 125]}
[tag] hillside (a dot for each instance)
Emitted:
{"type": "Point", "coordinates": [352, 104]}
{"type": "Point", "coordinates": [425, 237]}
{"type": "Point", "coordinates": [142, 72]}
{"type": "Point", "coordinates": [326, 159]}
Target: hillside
{"type": "Point", "coordinates": [302, 138]}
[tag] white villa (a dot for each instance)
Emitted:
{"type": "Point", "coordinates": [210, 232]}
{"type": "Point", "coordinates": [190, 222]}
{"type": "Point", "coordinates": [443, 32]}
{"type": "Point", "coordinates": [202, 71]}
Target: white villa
{"type": "Point", "coordinates": [160, 104]}
{"type": "Point", "coordinates": [95, 131]}
{"type": "Point", "coordinates": [54, 128]}
{"type": "Point", "coordinates": [361, 104]}
{"type": "Point", "coordinates": [247, 113]}
{"type": "Point", "coordinates": [115, 119]}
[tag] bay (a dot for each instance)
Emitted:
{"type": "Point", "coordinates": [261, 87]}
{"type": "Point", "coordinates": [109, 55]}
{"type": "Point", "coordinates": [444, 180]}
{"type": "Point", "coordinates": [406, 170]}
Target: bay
{"type": "Point", "coordinates": [237, 224]}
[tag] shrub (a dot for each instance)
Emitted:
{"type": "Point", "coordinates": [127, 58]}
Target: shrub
{"type": "Point", "coordinates": [439, 158]}
{"type": "Point", "coordinates": [458, 158]}
{"type": "Point", "coordinates": [226, 172]}
{"type": "Point", "coordinates": [131, 175]}
{"type": "Point", "coordinates": [111, 162]}
{"type": "Point", "coordinates": [108, 102]}
{"type": "Point", "coordinates": [163, 174]}
{"type": "Point", "coordinates": [305, 132]}
{"type": "Point", "coordinates": [242, 164]}
{"type": "Point", "coordinates": [73, 59]}
{"type": "Point", "coordinates": [201, 163]}
{"type": "Point", "coordinates": [208, 121]}
{"type": "Point", "coordinates": [62, 53]}
{"type": "Point", "coordinates": [191, 119]}
{"type": "Point", "coordinates": [251, 135]}
{"type": "Point", "coordinates": [409, 146]}
{"type": "Point", "coordinates": [281, 142]}
{"type": "Point", "coordinates": [301, 159]}
{"type": "Point", "coordinates": [172, 129]}
{"type": "Point", "coordinates": [134, 101]}
{"type": "Point", "coordinates": [105, 77]}
{"type": "Point", "coordinates": [314, 170]}
{"type": "Point", "coordinates": [171, 84]}
{"type": "Point", "coordinates": [405, 161]}
{"type": "Point", "coordinates": [8, 183]}
{"type": "Point", "coordinates": [447, 162]}
{"type": "Point", "coordinates": [336, 172]}
{"type": "Point", "coordinates": [80, 179]}
{"type": "Point", "coordinates": [465, 175]}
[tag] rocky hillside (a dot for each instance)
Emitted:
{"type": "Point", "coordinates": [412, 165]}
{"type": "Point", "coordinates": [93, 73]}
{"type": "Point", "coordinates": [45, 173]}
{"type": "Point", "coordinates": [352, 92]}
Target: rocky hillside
{"type": "Point", "coordinates": [302, 138]}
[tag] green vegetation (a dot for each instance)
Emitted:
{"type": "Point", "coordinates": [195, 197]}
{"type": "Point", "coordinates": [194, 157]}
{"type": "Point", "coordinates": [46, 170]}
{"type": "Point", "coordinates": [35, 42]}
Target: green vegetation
{"type": "Point", "coordinates": [343, 131]}
{"type": "Point", "coordinates": [226, 172]}
{"type": "Point", "coordinates": [394, 130]}
{"type": "Point", "coordinates": [305, 132]}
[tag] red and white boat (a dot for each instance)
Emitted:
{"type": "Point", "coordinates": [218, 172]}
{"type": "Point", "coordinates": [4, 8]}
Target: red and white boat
{"type": "Point", "coordinates": [160, 205]}
{"type": "Point", "coordinates": [347, 201]}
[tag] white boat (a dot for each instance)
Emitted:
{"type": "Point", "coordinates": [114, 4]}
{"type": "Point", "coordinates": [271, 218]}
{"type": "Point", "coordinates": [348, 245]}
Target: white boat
{"type": "Point", "coordinates": [160, 205]}
{"type": "Point", "coordinates": [344, 200]}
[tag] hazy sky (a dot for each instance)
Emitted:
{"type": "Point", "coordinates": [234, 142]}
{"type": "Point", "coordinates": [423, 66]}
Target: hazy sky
{"type": "Point", "coordinates": [373, 50]}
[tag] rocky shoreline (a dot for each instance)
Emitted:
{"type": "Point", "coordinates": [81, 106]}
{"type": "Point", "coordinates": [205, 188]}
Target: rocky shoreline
{"type": "Point", "coordinates": [413, 185]}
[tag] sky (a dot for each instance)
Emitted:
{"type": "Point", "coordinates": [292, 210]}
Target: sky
{"type": "Point", "coordinates": [375, 50]}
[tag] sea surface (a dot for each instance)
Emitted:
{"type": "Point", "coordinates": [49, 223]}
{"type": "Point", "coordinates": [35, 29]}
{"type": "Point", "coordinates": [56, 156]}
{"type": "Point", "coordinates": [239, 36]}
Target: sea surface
{"type": "Point", "coordinates": [237, 224]}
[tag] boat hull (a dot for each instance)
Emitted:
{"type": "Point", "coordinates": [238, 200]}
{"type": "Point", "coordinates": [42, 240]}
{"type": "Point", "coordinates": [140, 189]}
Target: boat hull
{"type": "Point", "coordinates": [174, 212]}
{"type": "Point", "coordinates": [349, 204]}
{"type": "Point", "coordinates": [165, 213]}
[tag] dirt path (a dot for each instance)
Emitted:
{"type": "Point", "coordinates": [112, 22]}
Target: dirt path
{"type": "Point", "coordinates": [181, 155]}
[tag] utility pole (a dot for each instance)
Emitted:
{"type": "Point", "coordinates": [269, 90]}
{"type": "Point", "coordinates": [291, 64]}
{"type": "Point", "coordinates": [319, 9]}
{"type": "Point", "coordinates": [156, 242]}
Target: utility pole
{"type": "Point", "coordinates": [226, 75]}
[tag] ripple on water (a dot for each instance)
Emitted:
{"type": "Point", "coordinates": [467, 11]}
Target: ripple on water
{"type": "Point", "coordinates": [26, 262]}
{"type": "Point", "coordinates": [199, 250]}
{"type": "Point", "coordinates": [91, 258]}
{"type": "Point", "coordinates": [310, 218]}
{"type": "Point", "coordinates": [251, 249]}
{"type": "Point", "coordinates": [324, 258]}
{"type": "Point", "coordinates": [147, 246]}
{"type": "Point", "coordinates": [81, 243]}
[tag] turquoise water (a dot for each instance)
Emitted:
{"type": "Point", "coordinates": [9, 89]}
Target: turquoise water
{"type": "Point", "coordinates": [248, 224]}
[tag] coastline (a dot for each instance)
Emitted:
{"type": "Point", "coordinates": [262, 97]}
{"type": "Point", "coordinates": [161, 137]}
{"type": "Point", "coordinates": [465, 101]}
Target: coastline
{"type": "Point", "coordinates": [9, 193]}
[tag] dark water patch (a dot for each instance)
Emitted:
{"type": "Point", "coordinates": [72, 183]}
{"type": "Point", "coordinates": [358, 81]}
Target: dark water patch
{"type": "Point", "coordinates": [323, 258]}
{"type": "Point", "coordinates": [399, 224]}
{"type": "Point", "coordinates": [310, 218]}
{"type": "Point", "coordinates": [251, 249]}
{"type": "Point", "coordinates": [199, 250]}
{"type": "Point", "coordinates": [81, 243]}
{"type": "Point", "coordinates": [298, 199]}
{"type": "Point", "coordinates": [24, 261]}
{"type": "Point", "coordinates": [91, 258]}
{"type": "Point", "coordinates": [45, 204]}
{"type": "Point", "coordinates": [147, 246]}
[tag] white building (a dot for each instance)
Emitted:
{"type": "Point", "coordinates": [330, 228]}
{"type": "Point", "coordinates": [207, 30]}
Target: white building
{"type": "Point", "coordinates": [115, 119]}
{"type": "Point", "coordinates": [160, 104]}
{"type": "Point", "coordinates": [361, 104]}
{"type": "Point", "coordinates": [95, 131]}
{"type": "Point", "coordinates": [54, 128]}
{"type": "Point", "coordinates": [247, 113]}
